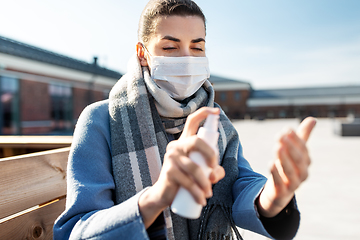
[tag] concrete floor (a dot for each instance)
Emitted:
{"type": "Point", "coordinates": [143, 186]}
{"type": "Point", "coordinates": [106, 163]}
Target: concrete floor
{"type": "Point", "coordinates": [329, 198]}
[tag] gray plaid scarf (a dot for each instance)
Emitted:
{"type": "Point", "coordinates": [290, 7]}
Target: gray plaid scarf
{"type": "Point", "coordinates": [141, 115]}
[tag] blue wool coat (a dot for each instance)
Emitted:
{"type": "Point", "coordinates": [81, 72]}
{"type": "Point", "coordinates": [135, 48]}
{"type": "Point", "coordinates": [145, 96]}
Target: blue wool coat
{"type": "Point", "coordinates": [90, 209]}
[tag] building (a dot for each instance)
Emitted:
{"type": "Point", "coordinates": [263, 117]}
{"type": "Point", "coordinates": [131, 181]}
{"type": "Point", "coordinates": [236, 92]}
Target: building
{"type": "Point", "coordinates": [231, 95]}
{"type": "Point", "coordinates": [239, 100]}
{"type": "Point", "coordinates": [43, 92]}
{"type": "Point", "coordinates": [337, 101]}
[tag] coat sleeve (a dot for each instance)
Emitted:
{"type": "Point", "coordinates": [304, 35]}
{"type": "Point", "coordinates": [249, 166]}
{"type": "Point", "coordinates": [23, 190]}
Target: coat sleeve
{"type": "Point", "coordinates": [90, 209]}
{"type": "Point", "coordinates": [246, 190]}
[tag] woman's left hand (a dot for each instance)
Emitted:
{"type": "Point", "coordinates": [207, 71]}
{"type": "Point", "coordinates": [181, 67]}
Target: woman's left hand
{"type": "Point", "coordinates": [288, 171]}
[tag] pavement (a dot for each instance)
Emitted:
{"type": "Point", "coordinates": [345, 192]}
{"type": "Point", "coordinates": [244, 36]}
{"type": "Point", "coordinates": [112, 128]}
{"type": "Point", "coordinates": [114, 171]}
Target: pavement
{"type": "Point", "coordinates": [329, 199]}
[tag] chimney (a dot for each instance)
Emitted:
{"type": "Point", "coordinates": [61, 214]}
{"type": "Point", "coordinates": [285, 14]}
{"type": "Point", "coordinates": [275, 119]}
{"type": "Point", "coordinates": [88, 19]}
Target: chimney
{"type": "Point", "coordinates": [95, 61]}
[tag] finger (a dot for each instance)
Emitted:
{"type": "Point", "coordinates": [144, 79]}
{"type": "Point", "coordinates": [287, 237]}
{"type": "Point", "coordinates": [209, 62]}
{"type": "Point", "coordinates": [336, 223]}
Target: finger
{"type": "Point", "coordinates": [194, 171]}
{"type": "Point", "coordinates": [289, 170]}
{"type": "Point", "coordinates": [188, 183]}
{"type": "Point", "coordinates": [298, 157]}
{"type": "Point", "coordinates": [217, 174]}
{"type": "Point", "coordinates": [297, 149]}
{"type": "Point", "coordinates": [193, 120]}
{"type": "Point", "coordinates": [294, 145]}
{"type": "Point", "coordinates": [306, 127]}
{"type": "Point", "coordinates": [196, 144]}
{"type": "Point", "coordinates": [278, 178]}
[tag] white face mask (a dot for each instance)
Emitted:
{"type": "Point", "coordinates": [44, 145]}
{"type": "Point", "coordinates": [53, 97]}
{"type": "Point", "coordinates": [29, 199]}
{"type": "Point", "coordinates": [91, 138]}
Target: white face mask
{"type": "Point", "coordinates": [180, 77]}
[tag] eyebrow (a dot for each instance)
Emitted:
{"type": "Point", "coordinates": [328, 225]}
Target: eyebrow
{"type": "Point", "coordinates": [167, 37]}
{"type": "Point", "coordinates": [197, 40]}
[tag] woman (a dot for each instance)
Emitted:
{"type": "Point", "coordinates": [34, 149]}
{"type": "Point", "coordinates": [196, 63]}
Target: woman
{"type": "Point", "coordinates": [130, 153]}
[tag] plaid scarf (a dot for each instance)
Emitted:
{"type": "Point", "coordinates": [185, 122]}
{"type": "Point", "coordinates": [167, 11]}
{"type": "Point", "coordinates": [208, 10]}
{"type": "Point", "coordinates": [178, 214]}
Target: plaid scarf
{"type": "Point", "coordinates": [141, 115]}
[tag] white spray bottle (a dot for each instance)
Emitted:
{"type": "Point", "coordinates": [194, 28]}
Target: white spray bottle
{"type": "Point", "coordinates": [184, 204]}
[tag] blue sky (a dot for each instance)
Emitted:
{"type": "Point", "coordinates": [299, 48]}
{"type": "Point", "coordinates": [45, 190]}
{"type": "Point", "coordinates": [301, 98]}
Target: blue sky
{"type": "Point", "coordinates": [271, 44]}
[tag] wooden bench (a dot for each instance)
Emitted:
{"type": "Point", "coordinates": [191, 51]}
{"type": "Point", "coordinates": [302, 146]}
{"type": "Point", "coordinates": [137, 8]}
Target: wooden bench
{"type": "Point", "coordinates": [17, 145]}
{"type": "Point", "coordinates": [32, 193]}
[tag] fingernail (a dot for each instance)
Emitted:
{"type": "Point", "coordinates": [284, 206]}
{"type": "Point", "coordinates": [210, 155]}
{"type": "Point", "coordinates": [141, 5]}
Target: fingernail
{"type": "Point", "coordinates": [285, 138]}
{"type": "Point", "coordinates": [315, 121]}
{"type": "Point", "coordinates": [290, 132]}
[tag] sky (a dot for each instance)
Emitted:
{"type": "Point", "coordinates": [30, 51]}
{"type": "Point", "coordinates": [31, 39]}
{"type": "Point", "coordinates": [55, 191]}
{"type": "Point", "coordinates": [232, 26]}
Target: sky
{"type": "Point", "coordinates": [270, 44]}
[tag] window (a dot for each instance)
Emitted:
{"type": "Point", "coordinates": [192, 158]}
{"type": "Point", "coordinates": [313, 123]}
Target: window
{"type": "Point", "coordinates": [282, 114]}
{"type": "Point", "coordinates": [223, 96]}
{"type": "Point", "coordinates": [106, 93]}
{"type": "Point", "coordinates": [9, 108]}
{"type": "Point", "coordinates": [270, 114]}
{"type": "Point", "coordinates": [61, 106]}
{"type": "Point", "coordinates": [237, 96]}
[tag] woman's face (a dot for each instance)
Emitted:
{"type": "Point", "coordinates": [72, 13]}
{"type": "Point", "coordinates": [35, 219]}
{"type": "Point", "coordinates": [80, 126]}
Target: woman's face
{"type": "Point", "coordinates": [176, 36]}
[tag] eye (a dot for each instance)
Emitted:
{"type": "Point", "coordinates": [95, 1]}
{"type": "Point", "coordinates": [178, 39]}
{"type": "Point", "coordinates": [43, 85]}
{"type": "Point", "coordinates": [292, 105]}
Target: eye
{"type": "Point", "coordinates": [169, 48]}
{"type": "Point", "coordinates": [198, 49]}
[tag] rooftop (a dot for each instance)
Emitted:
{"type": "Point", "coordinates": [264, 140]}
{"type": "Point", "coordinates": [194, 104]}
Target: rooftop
{"type": "Point", "coordinates": [307, 92]}
{"type": "Point", "coordinates": [218, 79]}
{"type": "Point", "coordinates": [15, 48]}
{"type": "Point", "coordinates": [225, 84]}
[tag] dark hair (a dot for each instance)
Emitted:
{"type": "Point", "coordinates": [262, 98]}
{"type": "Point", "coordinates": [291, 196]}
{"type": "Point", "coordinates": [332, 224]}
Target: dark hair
{"type": "Point", "coordinates": [157, 8]}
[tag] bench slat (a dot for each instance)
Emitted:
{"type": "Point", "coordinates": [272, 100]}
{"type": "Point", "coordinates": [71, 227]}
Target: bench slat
{"type": "Point", "coordinates": [31, 179]}
{"type": "Point", "coordinates": [36, 224]}
{"type": "Point", "coordinates": [47, 142]}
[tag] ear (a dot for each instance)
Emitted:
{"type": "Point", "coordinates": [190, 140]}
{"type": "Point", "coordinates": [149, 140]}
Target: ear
{"type": "Point", "coordinates": [141, 54]}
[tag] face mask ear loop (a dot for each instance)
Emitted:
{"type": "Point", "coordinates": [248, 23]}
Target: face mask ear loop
{"type": "Point", "coordinates": [150, 56]}
{"type": "Point", "coordinates": [146, 50]}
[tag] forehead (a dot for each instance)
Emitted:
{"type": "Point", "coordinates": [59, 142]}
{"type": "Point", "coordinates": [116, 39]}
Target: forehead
{"type": "Point", "coordinates": [182, 27]}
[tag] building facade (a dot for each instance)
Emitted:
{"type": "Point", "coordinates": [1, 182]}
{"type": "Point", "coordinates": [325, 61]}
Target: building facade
{"type": "Point", "coordinates": [43, 92]}
{"type": "Point", "coordinates": [337, 101]}
{"type": "Point", "coordinates": [231, 95]}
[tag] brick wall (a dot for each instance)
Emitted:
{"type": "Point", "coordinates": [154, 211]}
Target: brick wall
{"type": "Point", "coordinates": [82, 98]}
{"type": "Point", "coordinates": [34, 101]}
{"type": "Point", "coordinates": [233, 102]}
{"type": "Point", "coordinates": [34, 107]}
{"type": "Point", "coordinates": [303, 111]}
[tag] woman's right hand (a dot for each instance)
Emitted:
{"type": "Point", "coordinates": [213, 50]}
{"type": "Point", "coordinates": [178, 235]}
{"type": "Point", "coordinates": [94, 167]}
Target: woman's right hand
{"type": "Point", "coordinates": [179, 170]}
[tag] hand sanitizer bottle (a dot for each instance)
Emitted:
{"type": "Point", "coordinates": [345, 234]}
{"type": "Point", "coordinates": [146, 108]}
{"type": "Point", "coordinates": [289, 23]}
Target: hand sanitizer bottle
{"type": "Point", "coordinates": [184, 204]}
